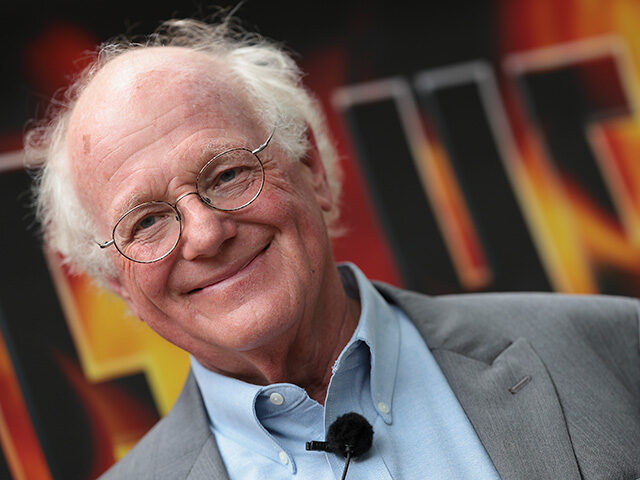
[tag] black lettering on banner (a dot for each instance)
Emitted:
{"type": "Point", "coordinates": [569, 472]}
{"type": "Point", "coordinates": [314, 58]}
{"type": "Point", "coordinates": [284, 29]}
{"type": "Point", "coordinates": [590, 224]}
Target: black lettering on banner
{"type": "Point", "coordinates": [569, 91]}
{"type": "Point", "coordinates": [373, 116]}
{"type": "Point", "coordinates": [561, 101]}
{"type": "Point", "coordinates": [463, 105]}
{"type": "Point", "coordinates": [4, 467]}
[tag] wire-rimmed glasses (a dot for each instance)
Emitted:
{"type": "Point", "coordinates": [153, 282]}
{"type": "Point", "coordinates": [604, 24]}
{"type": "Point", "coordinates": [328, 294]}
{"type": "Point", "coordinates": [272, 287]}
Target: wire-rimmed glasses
{"type": "Point", "coordinates": [229, 181]}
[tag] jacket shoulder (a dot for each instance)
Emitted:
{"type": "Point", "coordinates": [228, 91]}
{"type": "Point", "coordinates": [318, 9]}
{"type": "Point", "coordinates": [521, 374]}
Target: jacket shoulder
{"type": "Point", "coordinates": [136, 464]}
{"type": "Point", "coordinates": [562, 329]}
{"type": "Point", "coordinates": [543, 310]}
{"type": "Point", "coordinates": [171, 448]}
{"type": "Point", "coordinates": [523, 314]}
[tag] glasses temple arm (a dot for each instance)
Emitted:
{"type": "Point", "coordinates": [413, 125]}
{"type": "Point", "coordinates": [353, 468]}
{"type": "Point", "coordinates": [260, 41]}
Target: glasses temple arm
{"type": "Point", "coordinates": [264, 145]}
{"type": "Point", "coordinates": [106, 244]}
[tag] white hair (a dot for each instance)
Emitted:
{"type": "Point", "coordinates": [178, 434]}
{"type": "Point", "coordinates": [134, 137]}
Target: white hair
{"type": "Point", "coordinates": [267, 73]}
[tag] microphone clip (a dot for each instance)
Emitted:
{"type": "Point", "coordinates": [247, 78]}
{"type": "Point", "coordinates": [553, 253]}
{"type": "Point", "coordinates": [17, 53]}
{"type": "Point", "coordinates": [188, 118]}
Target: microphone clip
{"type": "Point", "coordinates": [317, 446]}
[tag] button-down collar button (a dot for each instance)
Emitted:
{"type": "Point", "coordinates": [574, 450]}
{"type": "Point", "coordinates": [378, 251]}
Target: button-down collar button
{"type": "Point", "coordinates": [284, 458]}
{"type": "Point", "coordinates": [383, 407]}
{"type": "Point", "coordinates": [276, 398]}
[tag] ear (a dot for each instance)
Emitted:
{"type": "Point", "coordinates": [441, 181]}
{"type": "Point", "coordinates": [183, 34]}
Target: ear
{"type": "Point", "coordinates": [313, 162]}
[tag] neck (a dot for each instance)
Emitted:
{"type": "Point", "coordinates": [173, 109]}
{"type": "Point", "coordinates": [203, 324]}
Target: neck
{"type": "Point", "coordinates": [306, 355]}
{"type": "Point", "coordinates": [327, 347]}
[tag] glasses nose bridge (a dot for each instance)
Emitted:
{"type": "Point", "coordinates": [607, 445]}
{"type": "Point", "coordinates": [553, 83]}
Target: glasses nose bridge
{"type": "Point", "coordinates": [180, 213]}
{"type": "Point", "coordinates": [175, 204]}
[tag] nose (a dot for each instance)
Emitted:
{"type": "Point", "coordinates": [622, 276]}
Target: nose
{"type": "Point", "coordinates": [204, 229]}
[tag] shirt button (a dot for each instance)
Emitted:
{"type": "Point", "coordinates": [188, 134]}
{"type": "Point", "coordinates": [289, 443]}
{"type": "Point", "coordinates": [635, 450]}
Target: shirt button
{"type": "Point", "coordinates": [383, 407]}
{"type": "Point", "coordinates": [276, 398]}
{"type": "Point", "coordinates": [284, 458]}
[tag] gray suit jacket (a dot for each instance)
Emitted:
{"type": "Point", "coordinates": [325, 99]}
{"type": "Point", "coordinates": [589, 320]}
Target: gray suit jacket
{"type": "Point", "coordinates": [551, 384]}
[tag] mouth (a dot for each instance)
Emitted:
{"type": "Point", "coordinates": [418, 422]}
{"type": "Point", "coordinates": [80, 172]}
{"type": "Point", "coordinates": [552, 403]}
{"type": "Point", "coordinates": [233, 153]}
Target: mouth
{"type": "Point", "coordinates": [230, 273]}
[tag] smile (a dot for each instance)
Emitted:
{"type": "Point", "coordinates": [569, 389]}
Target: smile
{"type": "Point", "coordinates": [231, 273]}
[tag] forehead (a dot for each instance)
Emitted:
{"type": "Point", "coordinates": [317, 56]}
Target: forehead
{"type": "Point", "coordinates": [167, 102]}
{"type": "Point", "coordinates": [139, 86]}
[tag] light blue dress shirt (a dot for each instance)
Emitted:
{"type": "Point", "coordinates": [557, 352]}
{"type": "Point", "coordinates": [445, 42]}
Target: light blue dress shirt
{"type": "Point", "coordinates": [385, 373]}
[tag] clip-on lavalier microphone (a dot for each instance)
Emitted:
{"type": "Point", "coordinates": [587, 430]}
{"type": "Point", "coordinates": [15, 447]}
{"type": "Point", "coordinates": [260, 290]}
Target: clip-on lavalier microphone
{"type": "Point", "coordinates": [350, 436]}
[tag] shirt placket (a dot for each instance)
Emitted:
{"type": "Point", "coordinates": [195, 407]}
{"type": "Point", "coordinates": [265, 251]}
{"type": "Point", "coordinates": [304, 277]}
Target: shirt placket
{"type": "Point", "coordinates": [344, 395]}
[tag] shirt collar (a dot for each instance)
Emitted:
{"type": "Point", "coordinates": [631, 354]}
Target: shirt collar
{"type": "Point", "coordinates": [231, 403]}
{"type": "Point", "coordinates": [379, 329]}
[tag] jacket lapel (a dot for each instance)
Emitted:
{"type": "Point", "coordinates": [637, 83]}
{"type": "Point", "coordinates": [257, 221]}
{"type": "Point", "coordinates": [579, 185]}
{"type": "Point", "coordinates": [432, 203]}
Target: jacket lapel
{"type": "Point", "coordinates": [501, 383]}
{"type": "Point", "coordinates": [208, 464]}
{"type": "Point", "coordinates": [503, 387]}
{"type": "Point", "coordinates": [188, 448]}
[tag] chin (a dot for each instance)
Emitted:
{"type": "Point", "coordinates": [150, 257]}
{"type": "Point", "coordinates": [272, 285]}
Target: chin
{"type": "Point", "coordinates": [247, 323]}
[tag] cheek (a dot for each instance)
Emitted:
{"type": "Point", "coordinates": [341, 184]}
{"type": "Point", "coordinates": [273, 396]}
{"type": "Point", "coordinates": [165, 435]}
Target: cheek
{"type": "Point", "coordinates": [145, 284]}
{"type": "Point", "coordinates": [302, 237]}
{"type": "Point", "coordinates": [288, 197]}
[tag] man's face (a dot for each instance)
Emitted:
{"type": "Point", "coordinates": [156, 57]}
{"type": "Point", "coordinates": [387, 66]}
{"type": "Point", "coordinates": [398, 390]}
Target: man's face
{"type": "Point", "coordinates": [237, 280]}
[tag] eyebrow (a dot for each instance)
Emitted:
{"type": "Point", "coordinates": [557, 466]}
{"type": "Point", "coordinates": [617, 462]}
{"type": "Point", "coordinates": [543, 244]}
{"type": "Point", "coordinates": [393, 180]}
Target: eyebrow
{"type": "Point", "coordinates": [133, 200]}
{"type": "Point", "coordinates": [213, 148]}
{"type": "Point", "coordinates": [207, 153]}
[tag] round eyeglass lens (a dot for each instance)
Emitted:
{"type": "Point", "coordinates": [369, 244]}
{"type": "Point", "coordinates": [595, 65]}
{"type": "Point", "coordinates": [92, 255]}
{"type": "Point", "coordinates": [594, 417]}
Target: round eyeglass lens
{"type": "Point", "coordinates": [148, 232]}
{"type": "Point", "coordinates": [231, 180]}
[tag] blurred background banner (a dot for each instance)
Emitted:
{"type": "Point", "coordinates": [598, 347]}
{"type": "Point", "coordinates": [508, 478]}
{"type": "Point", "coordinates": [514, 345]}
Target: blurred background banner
{"type": "Point", "coordinates": [487, 145]}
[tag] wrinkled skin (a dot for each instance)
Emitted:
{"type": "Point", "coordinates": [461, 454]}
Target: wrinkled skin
{"type": "Point", "coordinates": [252, 294]}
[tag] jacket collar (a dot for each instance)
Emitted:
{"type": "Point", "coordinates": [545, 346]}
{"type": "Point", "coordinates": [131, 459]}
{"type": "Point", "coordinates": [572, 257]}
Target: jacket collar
{"type": "Point", "coordinates": [502, 385]}
{"type": "Point", "coordinates": [186, 447]}
{"type": "Point", "coordinates": [524, 433]}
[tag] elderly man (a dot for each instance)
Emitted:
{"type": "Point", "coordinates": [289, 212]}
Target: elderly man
{"type": "Point", "coordinates": [195, 178]}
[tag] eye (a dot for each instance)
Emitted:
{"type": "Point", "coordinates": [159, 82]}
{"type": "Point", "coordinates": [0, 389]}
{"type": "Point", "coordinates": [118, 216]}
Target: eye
{"type": "Point", "coordinates": [147, 221]}
{"type": "Point", "coordinates": [228, 175]}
